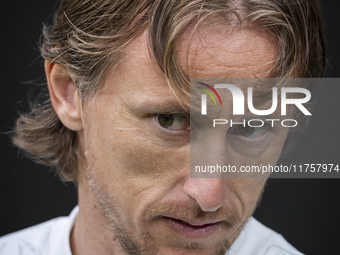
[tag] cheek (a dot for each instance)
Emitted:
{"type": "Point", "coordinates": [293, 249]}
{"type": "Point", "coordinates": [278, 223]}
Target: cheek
{"type": "Point", "coordinates": [248, 191]}
{"type": "Point", "coordinates": [261, 152]}
{"type": "Point", "coordinates": [130, 165]}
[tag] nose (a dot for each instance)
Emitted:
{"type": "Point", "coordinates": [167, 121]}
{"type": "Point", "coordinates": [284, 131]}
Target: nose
{"type": "Point", "coordinates": [209, 193]}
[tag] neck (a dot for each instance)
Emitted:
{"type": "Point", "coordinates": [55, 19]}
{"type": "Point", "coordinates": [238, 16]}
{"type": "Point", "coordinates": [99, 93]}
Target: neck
{"type": "Point", "coordinates": [91, 234]}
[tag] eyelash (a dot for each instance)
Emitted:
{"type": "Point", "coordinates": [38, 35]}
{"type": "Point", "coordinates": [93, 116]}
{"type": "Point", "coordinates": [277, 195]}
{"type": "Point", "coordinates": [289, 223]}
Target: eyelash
{"type": "Point", "coordinates": [156, 120]}
{"type": "Point", "coordinates": [265, 128]}
{"type": "Point", "coordinates": [233, 131]}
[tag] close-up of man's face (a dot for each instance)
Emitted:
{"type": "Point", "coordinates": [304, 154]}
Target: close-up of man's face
{"type": "Point", "coordinates": [136, 140]}
{"type": "Point", "coordinates": [164, 122]}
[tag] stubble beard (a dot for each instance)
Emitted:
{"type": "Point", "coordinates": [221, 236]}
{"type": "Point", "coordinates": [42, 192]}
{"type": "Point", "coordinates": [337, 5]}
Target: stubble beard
{"type": "Point", "coordinates": [130, 245]}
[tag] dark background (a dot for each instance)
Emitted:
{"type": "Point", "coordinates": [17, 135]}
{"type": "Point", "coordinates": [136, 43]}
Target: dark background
{"type": "Point", "coordinates": [305, 211]}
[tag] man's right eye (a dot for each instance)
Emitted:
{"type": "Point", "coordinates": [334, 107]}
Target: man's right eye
{"type": "Point", "coordinates": [173, 121]}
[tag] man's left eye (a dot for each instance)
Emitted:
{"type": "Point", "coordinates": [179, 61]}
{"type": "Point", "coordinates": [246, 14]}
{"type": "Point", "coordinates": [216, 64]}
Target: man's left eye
{"type": "Point", "coordinates": [173, 121]}
{"type": "Point", "coordinates": [249, 132]}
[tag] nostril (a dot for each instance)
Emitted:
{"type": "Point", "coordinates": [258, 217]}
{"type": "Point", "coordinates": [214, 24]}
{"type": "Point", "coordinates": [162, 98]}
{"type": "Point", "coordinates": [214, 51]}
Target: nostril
{"type": "Point", "coordinates": [209, 193]}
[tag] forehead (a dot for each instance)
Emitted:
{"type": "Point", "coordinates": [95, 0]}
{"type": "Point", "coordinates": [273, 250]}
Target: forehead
{"type": "Point", "coordinates": [227, 51]}
{"type": "Point", "coordinates": [211, 51]}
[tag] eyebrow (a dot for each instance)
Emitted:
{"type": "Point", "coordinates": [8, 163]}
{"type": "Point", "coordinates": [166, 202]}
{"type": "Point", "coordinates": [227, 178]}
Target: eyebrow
{"type": "Point", "coordinates": [159, 106]}
{"type": "Point", "coordinates": [274, 115]}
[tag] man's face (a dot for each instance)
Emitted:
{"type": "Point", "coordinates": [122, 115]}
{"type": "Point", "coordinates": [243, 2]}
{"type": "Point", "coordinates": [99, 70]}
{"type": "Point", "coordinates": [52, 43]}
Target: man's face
{"type": "Point", "coordinates": [136, 138]}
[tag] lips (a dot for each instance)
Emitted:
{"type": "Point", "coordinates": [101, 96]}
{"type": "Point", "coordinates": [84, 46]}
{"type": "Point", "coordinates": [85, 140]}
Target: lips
{"type": "Point", "coordinates": [192, 229]}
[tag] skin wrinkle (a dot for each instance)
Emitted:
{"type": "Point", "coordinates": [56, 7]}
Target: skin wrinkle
{"type": "Point", "coordinates": [128, 151]}
{"type": "Point", "coordinates": [206, 45]}
{"type": "Point", "coordinates": [135, 117]}
{"type": "Point", "coordinates": [152, 107]}
{"type": "Point", "coordinates": [149, 134]}
{"type": "Point", "coordinates": [132, 166]}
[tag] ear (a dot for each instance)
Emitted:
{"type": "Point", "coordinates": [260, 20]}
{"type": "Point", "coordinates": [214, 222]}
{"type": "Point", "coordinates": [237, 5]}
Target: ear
{"type": "Point", "coordinates": [64, 95]}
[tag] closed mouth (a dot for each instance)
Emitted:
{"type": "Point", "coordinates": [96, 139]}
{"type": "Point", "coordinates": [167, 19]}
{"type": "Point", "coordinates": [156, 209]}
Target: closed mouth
{"type": "Point", "coordinates": [192, 229]}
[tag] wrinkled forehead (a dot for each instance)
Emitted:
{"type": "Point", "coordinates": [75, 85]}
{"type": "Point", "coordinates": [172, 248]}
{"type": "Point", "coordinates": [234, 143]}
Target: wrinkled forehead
{"type": "Point", "coordinates": [211, 51]}
{"type": "Point", "coordinates": [216, 50]}
{"type": "Point", "coordinates": [222, 51]}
